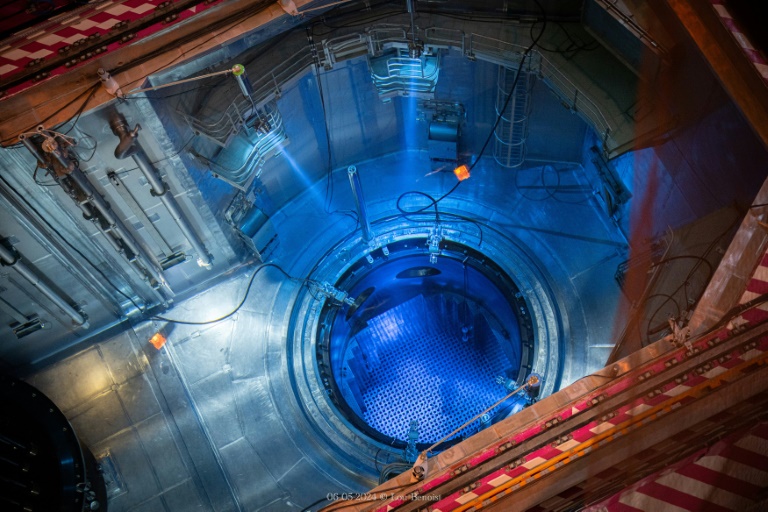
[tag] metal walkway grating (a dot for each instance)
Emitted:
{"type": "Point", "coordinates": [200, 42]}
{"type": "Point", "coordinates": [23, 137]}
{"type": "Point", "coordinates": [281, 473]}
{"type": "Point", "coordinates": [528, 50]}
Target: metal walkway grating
{"type": "Point", "coordinates": [424, 371]}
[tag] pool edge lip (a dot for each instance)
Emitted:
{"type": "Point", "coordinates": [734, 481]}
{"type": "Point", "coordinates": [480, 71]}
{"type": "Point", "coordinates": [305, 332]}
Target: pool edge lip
{"type": "Point", "coordinates": [360, 451]}
{"type": "Point", "coordinates": [494, 296]}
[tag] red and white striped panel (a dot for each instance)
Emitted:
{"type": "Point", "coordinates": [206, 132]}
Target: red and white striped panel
{"type": "Point", "coordinates": [45, 40]}
{"type": "Point", "coordinates": [756, 286]}
{"type": "Point", "coordinates": [727, 476]}
{"type": "Point", "coordinates": [755, 56]}
{"type": "Point", "coordinates": [597, 432]}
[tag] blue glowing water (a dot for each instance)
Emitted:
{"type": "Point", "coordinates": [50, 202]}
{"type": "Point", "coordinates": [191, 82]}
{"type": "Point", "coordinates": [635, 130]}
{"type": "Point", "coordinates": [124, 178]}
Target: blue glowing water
{"type": "Point", "coordinates": [411, 363]}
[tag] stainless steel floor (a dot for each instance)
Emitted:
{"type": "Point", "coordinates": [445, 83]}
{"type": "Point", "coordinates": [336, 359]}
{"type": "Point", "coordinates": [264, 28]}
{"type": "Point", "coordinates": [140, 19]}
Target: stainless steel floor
{"type": "Point", "coordinates": [210, 421]}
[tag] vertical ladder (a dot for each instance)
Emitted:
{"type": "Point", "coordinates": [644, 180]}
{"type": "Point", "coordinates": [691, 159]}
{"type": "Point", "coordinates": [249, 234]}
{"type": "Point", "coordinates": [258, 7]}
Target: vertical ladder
{"type": "Point", "coordinates": [512, 130]}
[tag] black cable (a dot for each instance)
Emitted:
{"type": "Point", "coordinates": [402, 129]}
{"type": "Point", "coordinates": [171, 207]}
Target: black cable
{"type": "Point", "coordinates": [515, 19]}
{"type": "Point", "coordinates": [574, 47]}
{"type": "Point", "coordinates": [682, 286]}
{"type": "Point", "coordinates": [237, 308]}
{"type": "Point", "coordinates": [700, 259]}
{"type": "Point", "coordinates": [685, 257]}
{"type": "Point", "coordinates": [669, 298]}
{"type": "Point", "coordinates": [548, 189]}
{"type": "Point", "coordinates": [359, 22]}
{"type": "Point", "coordinates": [492, 131]}
{"type": "Point", "coordinates": [136, 97]}
{"type": "Point", "coordinates": [329, 163]}
{"type": "Point", "coordinates": [432, 203]}
{"type": "Point", "coordinates": [95, 147]}
{"type": "Point", "coordinates": [89, 91]}
{"type": "Point", "coordinates": [178, 152]}
{"type": "Point", "coordinates": [38, 182]}
{"type": "Point", "coordinates": [81, 109]}
{"type": "Point", "coordinates": [308, 507]}
{"type": "Point", "coordinates": [390, 468]}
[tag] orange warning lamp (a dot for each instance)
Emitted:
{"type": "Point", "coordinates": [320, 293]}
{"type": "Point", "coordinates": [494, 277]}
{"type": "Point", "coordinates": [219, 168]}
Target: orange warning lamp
{"type": "Point", "coordinates": [461, 172]}
{"type": "Point", "coordinates": [157, 340]}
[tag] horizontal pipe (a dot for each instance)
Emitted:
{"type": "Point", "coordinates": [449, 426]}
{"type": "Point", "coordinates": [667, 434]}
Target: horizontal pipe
{"type": "Point", "coordinates": [8, 258]}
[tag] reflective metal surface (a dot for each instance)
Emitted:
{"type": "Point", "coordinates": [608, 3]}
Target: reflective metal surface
{"type": "Point", "coordinates": [232, 411]}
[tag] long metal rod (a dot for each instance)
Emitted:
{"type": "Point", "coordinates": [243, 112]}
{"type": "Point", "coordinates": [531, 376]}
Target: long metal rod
{"type": "Point", "coordinates": [357, 193]}
{"type": "Point", "coordinates": [160, 190]}
{"type": "Point", "coordinates": [118, 228]}
{"type": "Point", "coordinates": [35, 226]}
{"type": "Point", "coordinates": [162, 244]}
{"type": "Point", "coordinates": [110, 235]}
{"type": "Point", "coordinates": [11, 260]}
{"type": "Point", "coordinates": [304, 11]}
{"type": "Point", "coordinates": [178, 82]}
{"type": "Point", "coordinates": [411, 10]}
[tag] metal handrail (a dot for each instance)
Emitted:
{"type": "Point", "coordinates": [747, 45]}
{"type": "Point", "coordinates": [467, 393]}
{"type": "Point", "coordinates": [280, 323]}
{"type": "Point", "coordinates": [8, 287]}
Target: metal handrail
{"type": "Point", "coordinates": [380, 37]}
{"type": "Point", "coordinates": [266, 88]}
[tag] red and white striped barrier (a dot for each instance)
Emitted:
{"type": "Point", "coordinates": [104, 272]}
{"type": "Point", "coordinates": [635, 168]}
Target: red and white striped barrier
{"type": "Point", "coordinates": [755, 56]}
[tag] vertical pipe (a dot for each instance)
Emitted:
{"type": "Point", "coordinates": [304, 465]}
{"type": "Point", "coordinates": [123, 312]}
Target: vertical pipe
{"type": "Point", "coordinates": [118, 228]}
{"type": "Point", "coordinates": [357, 193]}
{"type": "Point", "coordinates": [35, 225]}
{"type": "Point", "coordinates": [129, 146]}
{"type": "Point", "coordinates": [409, 6]}
{"type": "Point", "coordinates": [10, 259]}
{"type": "Point", "coordinates": [116, 232]}
{"type": "Point", "coordinates": [160, 190]}
{"type": "Point", "coordinates": [238, 70]}
{"type": "Point", "coordinates": [32, 149]}
{"type": "Point", "coordinates": [414, 47]}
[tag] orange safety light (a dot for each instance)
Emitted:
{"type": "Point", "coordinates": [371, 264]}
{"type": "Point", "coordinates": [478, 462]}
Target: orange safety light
{"type": "Point", "coordinates": [461, 172]}
{"type": "Point", "coordinates": [157, 340]}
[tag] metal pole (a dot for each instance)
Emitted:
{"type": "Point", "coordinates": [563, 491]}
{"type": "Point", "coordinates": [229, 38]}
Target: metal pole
{"type": "Point", "coordinates": [10, 259]}
{"type": "Point", "coordinates": [129, 146]}
{"type": "Point", "coordinates": [160, 190]}
{"type": "Point", "coordinates": [119, 228]}
{"type": "Point", "coordinates": [411, 10]}
{"type": "Point", "coordinates": [357, 193]}
{"type": "Point", "coordinates": [33, 149]}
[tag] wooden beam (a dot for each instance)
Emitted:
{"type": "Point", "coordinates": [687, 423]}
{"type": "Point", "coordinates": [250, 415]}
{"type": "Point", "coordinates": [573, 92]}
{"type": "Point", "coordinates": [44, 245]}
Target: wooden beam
{"type": "Point", "coordinates": [737, 74]}
{"type": "Point", "coordinates": [58, 99]}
